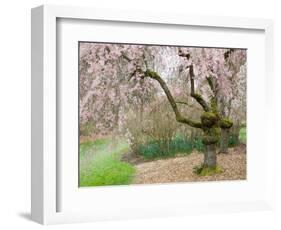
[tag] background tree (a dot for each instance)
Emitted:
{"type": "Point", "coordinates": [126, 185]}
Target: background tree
{"type": "Point", "coordinates": [224, 69]}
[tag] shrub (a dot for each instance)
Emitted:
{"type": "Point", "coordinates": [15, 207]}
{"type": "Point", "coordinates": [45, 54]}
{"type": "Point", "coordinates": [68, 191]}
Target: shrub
{"type": "Point", "coordinates": [156, 125]}
{"type": "Point", "coordinates": [88, 128]}
{"type": "Point", "coordinates": [178, 145]}
{"type": "Point", "coordinates": [157, 133]}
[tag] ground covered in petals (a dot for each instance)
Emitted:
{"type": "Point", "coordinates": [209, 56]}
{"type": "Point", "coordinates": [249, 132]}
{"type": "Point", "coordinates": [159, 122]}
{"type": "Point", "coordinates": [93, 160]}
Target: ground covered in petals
{"type": "Point", "coordinates": [180, 168]}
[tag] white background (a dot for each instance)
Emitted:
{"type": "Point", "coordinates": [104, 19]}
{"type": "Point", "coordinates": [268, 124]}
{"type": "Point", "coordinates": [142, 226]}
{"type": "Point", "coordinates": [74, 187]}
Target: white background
{"type": "Point", "coordinates": [15, 113]}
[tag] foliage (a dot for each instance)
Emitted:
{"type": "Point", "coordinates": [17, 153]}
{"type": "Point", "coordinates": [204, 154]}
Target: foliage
{"type": "Point", "coordinates": [100, 164]}
{"type": "Point", "coordinates": [106, 94]}
{"type": "Point", "coordinates": [112, 82]}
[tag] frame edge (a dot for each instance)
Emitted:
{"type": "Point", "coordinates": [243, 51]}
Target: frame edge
{"type": "Point", "coordinates": [37, 162]}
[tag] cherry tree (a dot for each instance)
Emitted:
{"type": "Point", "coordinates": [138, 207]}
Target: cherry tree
{"type": "Point", "coordinates": [216, 67]}
{"type": "Point", "coordinates": [105, 92]}
{"type": "Point", "coordinates": [225, 70]}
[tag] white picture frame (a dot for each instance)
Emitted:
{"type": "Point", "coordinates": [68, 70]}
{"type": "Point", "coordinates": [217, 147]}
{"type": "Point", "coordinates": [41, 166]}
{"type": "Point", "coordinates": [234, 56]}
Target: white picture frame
{"type": "Point", "coordinates": [45, 162]}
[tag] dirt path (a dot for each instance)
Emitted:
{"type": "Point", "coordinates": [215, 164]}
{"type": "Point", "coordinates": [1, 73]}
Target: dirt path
{"type": "Point", "coordinates": [180, 169]}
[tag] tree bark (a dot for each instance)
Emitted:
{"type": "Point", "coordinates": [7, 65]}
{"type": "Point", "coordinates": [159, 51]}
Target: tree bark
{"type": "Point", "coordinates": [210, 156]}
{"type": "Point", "coordinates": [224, 141]}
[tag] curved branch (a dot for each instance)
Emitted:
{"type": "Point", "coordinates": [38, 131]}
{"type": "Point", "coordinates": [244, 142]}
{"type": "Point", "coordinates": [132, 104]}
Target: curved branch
{"type": "Point", "coordinates": [179, 117]}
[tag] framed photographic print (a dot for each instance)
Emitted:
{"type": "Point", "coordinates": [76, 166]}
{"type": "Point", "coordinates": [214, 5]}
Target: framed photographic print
{"type": "Point", "coordinates": [141, 114]}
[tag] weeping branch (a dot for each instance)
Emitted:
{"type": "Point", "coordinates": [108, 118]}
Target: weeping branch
{"type": "Point", "coordinates": [179, 117]}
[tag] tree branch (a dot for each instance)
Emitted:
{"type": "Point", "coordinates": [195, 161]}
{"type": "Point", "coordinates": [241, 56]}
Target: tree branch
{"type": "Point", "coordinates": [211, 84]}
{"type": "Point", "coordinates": [197, 96]}
{"type": "Point", "coordinates": [179, 117]}
{"type": "Point", "coordinates": [126, 57]}
{"type": "Point", "coordinates": [182, 102]}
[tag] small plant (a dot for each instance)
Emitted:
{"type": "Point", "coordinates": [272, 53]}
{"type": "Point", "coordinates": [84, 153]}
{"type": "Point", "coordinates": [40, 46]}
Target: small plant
{"type": "Point", "coordinates": [207, 171]}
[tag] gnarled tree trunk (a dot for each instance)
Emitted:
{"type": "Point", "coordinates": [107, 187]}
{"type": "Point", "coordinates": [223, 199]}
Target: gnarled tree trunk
{"type": "Point", "coordinates": [210, 156]}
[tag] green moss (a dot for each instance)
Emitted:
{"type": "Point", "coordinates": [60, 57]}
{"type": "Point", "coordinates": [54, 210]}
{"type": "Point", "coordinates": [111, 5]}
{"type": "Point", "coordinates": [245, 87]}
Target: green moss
{"type": "Point", "coordinates": [225, 123]}
{"type": "Point", "coordinates": [209, 140]}
{"type": "Point", "coordinates": [211, 136]}
{"type": "Point", "coordinates": [152, 74]}
{"type": "Point", "coordinates": [207, 171]}
{"type": "Point", "coordinates": [199, 98]}
{"type": "Point", "coordinates": [197, 95]}
{"type": "Point", "coordinates": [210, 82]}
{"type": "Point", "coordinates": [214, 105]}
{"type": "Point", "coordinates": [208, 119]}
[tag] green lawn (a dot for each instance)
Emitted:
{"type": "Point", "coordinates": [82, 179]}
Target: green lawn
{"type": "Point", "coordinates": [243, 135]}
{"type": "Point", "coordinates": [100, 163]}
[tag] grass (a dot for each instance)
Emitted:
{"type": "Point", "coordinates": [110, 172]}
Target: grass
{"type": "Point", "coordinates": [95, 144]}
{"type": "Point", "coordinates": [243, 135]}
{"type": "Point", "coordinates": [100, 163]}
